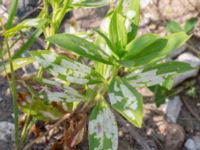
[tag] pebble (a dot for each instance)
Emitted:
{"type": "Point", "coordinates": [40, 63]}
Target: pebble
{"type": "Point", "coordinates": [191, 59]}
{"type": "Point", "coordinates": [7, 131]}
{"type": "Point", "coordinates": [190, 144]}
{"type": "Point", "coordinates": [174, 135]}
{"type": "Point", "coordinates": [172, 108]}
{"type": "Point", "coordinates": [193, 143]}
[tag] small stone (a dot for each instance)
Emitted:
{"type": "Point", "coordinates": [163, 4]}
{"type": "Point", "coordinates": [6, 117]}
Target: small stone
{"type": "Point", "coordinates": [189, 58]}
{"type": "Point", "coordinates": [190, 144]}
{"type": "Point", "coordinates": [6, 130]}
{"type": "Point", "coordinates": [173, 135]}
{"type": "Point", "coordinates": [172, 108]}
{"type": "Point", "coordinates": [193, 61]}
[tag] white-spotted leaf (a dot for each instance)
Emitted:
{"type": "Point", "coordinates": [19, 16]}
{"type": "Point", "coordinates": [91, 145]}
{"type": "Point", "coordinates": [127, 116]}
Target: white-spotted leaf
{"type": "Point", "coordinates": [65, 69]}
{"type": "Point", "coordinates": [127, 101]}
{"type": "Point", "coordinates": [157, 74]}
{"type": "Point", "coordinates": [103, 132]}
{"type": "Point", "coordinates": [54, 91]}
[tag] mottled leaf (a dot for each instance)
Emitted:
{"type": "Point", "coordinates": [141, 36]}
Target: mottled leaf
{"type": "Point", "coordinates": [103, 132]}
{"type": "Point", "coordinates": [53, 90]}
{"type": "Point", "coordinates": [127, 101]}
{"type": "Point", "coordinates": [66, 69]}
{"type": "Point", "coordinates": [157, 74]}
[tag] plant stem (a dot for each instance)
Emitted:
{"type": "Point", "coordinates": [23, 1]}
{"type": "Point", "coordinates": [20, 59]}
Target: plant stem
{"type": "Point", "coordinates": [13, 88]}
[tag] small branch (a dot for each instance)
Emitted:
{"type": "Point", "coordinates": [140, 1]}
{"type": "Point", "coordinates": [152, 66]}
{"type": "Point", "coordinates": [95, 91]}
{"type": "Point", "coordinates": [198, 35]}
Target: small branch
{"type": "Point", "coordinates": [193, 49]}
{"type": "Point", "coordinates": [190, 109]}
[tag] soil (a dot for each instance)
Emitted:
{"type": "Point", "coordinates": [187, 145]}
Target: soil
{"type": "Point", "coordinates": [156, 133]}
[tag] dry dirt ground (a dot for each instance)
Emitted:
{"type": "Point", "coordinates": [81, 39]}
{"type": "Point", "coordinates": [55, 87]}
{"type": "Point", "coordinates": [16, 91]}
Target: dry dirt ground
{"type": "Point", "coordinates": [157, 132]}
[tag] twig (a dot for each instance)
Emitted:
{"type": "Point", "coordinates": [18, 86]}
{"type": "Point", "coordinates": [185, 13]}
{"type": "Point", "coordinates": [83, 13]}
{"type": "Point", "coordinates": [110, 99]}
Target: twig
{"type": "Point", "coordinates": [139, 139]}
{"type": "Point", "coordinates": [190, 109]}
{"type": "Point", "coordinates": [193, 49]}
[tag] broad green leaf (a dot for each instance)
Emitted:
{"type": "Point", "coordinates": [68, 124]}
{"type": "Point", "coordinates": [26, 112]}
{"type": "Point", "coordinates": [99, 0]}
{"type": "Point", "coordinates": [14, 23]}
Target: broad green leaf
{"type": "Point", "coordinates": [138, 45]}
{"type": "Point", "coordinates": [17, 64]}
{"type": "Point", "coordinates": [127, 101]}
{"type": "Point", "coordinates": [174, 27]}
{"type": "Point", "coordinates": [157, 74]}
{"type": "Point", "coordinates": [25, 25]}
{"type": "Point", "coordinates": [117, 30]}
{"type": "Point", "coordinates": [91, 3]}
{"type": "Point", "coordinates": [81, 47]}
{"type": "Point", "coordinates": [65, 69]}
{"type": "Point", "coordinates": [103, 132]}
{"type": "Point", "coordinates": [190, 25]}
{"type": "Point", "coordinates": [156, 50]}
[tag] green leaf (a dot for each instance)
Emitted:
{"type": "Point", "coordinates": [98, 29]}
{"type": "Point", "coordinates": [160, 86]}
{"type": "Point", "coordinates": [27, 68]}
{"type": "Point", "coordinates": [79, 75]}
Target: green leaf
{"type": "Point", "coordinates": [190, 25]}
{"type": "Point", "coordinates": [127, 101]}
{"type": "Point", "coordinates": [25, 25]}
{"type": "Point", "coordinates": [12, 13]}
{"type": "Point", "coordinates": [17, 64]}
{"type": "Point", "coordinates": [65, 69]}
{"type": "Point", "coordinates": [28, 43]}
{"type": "Point", "coordinates": [157, 74]}
{"type": "Point", "coordinates": [160, 94]}
{"type": "Point", "coordinates": [174, 27]}
{"type": "Point", "coordinates": [155, 50]}
{"type": "Point", "coordinates": [91, 3]}
{"type": "Point", "coordinates": [106, 39]}
{"type": "Point", "coordinates": [117, 30]}
{"type": "Point", "coordinates": [103, 132]}
{"type": "Point", "coordinates": [81, 47]}
{"type": "Point", "coordinates": [39, 108]}
{"type": "Point", "coordinates": [131, 9]}
{"type": "Point", "coordinates": [140, 44]}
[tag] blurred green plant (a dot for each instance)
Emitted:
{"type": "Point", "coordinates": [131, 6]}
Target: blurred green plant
{"type": "Point", "coordinates": [120, 63]}
{"type": "Point", "coordinates": [188, 27]}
